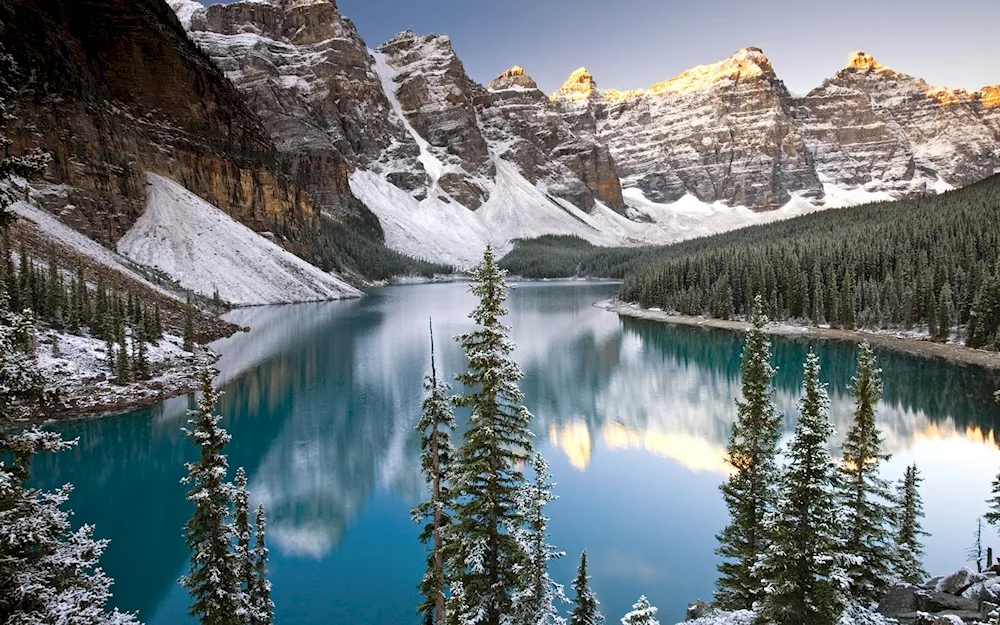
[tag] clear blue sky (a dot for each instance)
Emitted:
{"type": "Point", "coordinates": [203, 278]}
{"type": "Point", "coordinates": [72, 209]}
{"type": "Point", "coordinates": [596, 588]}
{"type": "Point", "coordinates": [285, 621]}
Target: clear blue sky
{"type": "Point", "coordinates": [628, 44]}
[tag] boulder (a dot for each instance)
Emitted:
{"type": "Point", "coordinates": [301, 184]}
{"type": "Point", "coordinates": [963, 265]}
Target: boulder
{"type": "Point", "coordinates": [900, 599]}
{"type": "Point", "coordinates": [958, 582]}
{"type": "Point", "coordinates": [697, 609]}
{"type": "Point", "coordinates": [986, 590]}
{"type": "Point", "coordinates": [934, 602]}
{"type": "Point", "coordinates": [932, 583]}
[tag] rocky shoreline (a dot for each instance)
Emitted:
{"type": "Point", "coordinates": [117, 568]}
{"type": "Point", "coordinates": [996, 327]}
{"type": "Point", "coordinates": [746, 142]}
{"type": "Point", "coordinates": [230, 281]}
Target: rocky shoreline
{"type": "Point", "coordinates": [83, 389]}
{"type": "Point", "coordinates": [965, 597]}
{"type": "Point", "coordinates": [913, 346]}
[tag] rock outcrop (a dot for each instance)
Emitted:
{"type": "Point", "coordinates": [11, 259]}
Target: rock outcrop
{"type": "Point", "coordinates": [307, 74]}
{"type": "Point", "coordinates": [962, 597]}
{"type": "Point", "coordinates": [887, 131]}
{"type": "Point", "coordinates": [115, 89]}
{"type": "Point", "coordinates": [534, 135]}
{"type": "Point", "coordinates": [731, 132]}
{"type": "Point", "coordinates": [721, 132]}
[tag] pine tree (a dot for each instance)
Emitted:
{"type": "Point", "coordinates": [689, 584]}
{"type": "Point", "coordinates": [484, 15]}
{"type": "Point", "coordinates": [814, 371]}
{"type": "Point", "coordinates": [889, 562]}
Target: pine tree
{"type": "Point", "coordinates": [802, 567]}
{"type": "Point", "coordinates": [867, 498]}
{"type": "Point", "coordinates": [587, 609]}
{"type": "Point", "coordinates": [123, 365]}
{"type": "Point", "coordinates": [53, 292]}
{"type": "Point", "coordinates": [49, 573]}
{"type": "Point", "coordinates": [435, 426]}
{"type": "Point", "coordinates": [975, 552]}
{"type": "Point", "coordinates": [537, 603]}
{"type": "Point", "coordinates": [487, 477]}
{"type": "Point", "coordinates": [157, 323]}
{"type": "Point", "coordinates": [944, 313]}
{"type": "Point", "coordinates": [261, 606]}
{"type": "Point", "coordinates": [140, 360]}
{"type": "Point", "coordinates": [750, 491]}
{"type": "Point", "coordinates": [211, 580]}
{"type": "Point", "coordinates": [910, 551]}
{"type": "Point", "coordinates": [189, 326]}
{"type": "Point", "coordinates": [73, 320]}
{"type": "Point", "coordinates": [642, 613]}
{"type": "Point", "coordinates": [242, 558]}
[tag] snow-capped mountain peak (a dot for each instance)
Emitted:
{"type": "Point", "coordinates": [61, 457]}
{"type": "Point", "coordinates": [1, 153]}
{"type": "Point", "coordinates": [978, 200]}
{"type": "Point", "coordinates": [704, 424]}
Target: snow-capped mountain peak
{"type": "Point", "coordinates": [864, 62]}
{"type": "Point", "coordinates": [743, 64]}
{"type": "Point", "coordinates": [579, 87]}
{"type": "Point", "coordinates": [513, 78]}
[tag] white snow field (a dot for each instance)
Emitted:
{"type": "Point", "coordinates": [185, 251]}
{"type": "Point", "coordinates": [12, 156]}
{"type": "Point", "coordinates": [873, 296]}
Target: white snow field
{"type": "Point", "coordinates": [206, 251]}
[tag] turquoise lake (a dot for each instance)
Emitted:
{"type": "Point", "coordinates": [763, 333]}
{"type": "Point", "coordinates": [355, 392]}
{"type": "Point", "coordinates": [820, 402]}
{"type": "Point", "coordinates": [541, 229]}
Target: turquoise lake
{"type": "Point", "coordinates": [633, 417]}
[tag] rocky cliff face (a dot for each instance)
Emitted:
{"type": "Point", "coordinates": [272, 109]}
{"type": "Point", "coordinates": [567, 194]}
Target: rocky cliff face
{"type": "Point", "coordinates": [546, 150]}
{"type": "Point", "coordinates": [307, 74]}
{"type": "Point", "coordinates": [114, 89]}
{"type": "Point", "coordinates": [406, 111]}
{"type": "Point", "coordinates": [885, 130]}
{"type": "Point", "coordinates": [731, 132]}
{"type": "Point", "coordinates": [721, 132]}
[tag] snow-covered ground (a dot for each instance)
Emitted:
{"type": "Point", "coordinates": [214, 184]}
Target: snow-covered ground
{"type": "Point", "coordinates": [77, 368]}
{"type": "Point", "coordinates": [56, 230]}
{"type": "Point", "coordinates": [448, 232]}
{"type": "Point", "coordinates": [206, 251]}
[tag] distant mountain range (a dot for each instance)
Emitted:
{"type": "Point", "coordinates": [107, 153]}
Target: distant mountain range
{"type": "Point", "coordinates": [281, 115]}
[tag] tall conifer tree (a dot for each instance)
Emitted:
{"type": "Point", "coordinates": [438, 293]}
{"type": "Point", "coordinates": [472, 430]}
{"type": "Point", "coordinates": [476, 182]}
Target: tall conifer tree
{"type": "Point", "coordinates": [488, 478]}
{"type": "Point", "coordinates": [211, 580]}
{"type": "Point", "coordinates": [435, 426]}
{"type": "Point", "coordinates": [587, 609]}
{"type": "Point", "coordinates": [538, 603]}
{"type": "Point", "coordinates": [242, 560]}
{"type": "Point", "coordinates": [802, 567]}
{"type": "Point", "coordinates": [750, 491]}
{"type": "Point", "coordinates": [867, 498]}
{"type": "Point", "coordinates": [262, 607]}
{"type": "Point", "coordinates": [910, 550]}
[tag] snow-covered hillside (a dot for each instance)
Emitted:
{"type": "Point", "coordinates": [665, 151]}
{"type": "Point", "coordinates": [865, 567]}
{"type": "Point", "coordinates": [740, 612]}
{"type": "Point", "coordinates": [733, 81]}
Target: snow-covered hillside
{"type": "Point", "coordinates": [51, 228]}
{"type": "Point", "coordinates": [206, 251]}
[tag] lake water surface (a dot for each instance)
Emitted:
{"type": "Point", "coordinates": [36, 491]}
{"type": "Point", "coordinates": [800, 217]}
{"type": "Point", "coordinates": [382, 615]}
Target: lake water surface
{"type": "Point", "coordinates": [633, 416]}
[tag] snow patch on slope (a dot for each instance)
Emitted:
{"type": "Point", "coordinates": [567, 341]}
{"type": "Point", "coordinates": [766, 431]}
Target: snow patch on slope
{"type": "Point", "coordinates": [447, 232]}
{"type": "Point", "coordinates": [838, 197]}
{"type": "Point", "coordinates": [185, 10]}
{"type": "Point", "coordinates": [387, 75]}
{"type": "Point", "coordinates": [443, 231]}
{"type": "Point", "coordinates": [205, 250]}
{"type": "Point", "coordinates": [56, 230]}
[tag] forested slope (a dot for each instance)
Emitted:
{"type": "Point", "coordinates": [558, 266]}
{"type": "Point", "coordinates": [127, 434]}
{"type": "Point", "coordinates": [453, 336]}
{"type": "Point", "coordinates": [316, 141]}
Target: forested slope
{"type": "Point", "coordinates": [928, 262]}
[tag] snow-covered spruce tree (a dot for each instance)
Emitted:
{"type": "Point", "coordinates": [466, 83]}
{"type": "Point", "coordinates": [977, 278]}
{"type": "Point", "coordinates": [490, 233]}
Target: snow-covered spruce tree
{"type": "Point", "coordinates": [259, 592]}
{"type": "Point", "coordinates": [909, 550]}
{"type": "Point", "coordinates": [435, 426]}
{"type": "Point", "coordinates": [642, 613]}
{"type": "Point", "coordinates": [538, 603]}
{"type": "Point", "coordinates": [803, 566]}
{"type": "Point", "coordinates": [868, 500]}
{"type": "Point", "coordinates": [49, 573]}
{"type": "Point", "coordinates": [211, 580]}
{"type": "Point", "coordinates": [485, 558]}
{"type": "Point", "coordinates": [241, 530]}
{"type": "Point", "coordinates": [750, 491]}
{"type": "Point", "coordinates": [587, 610]}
